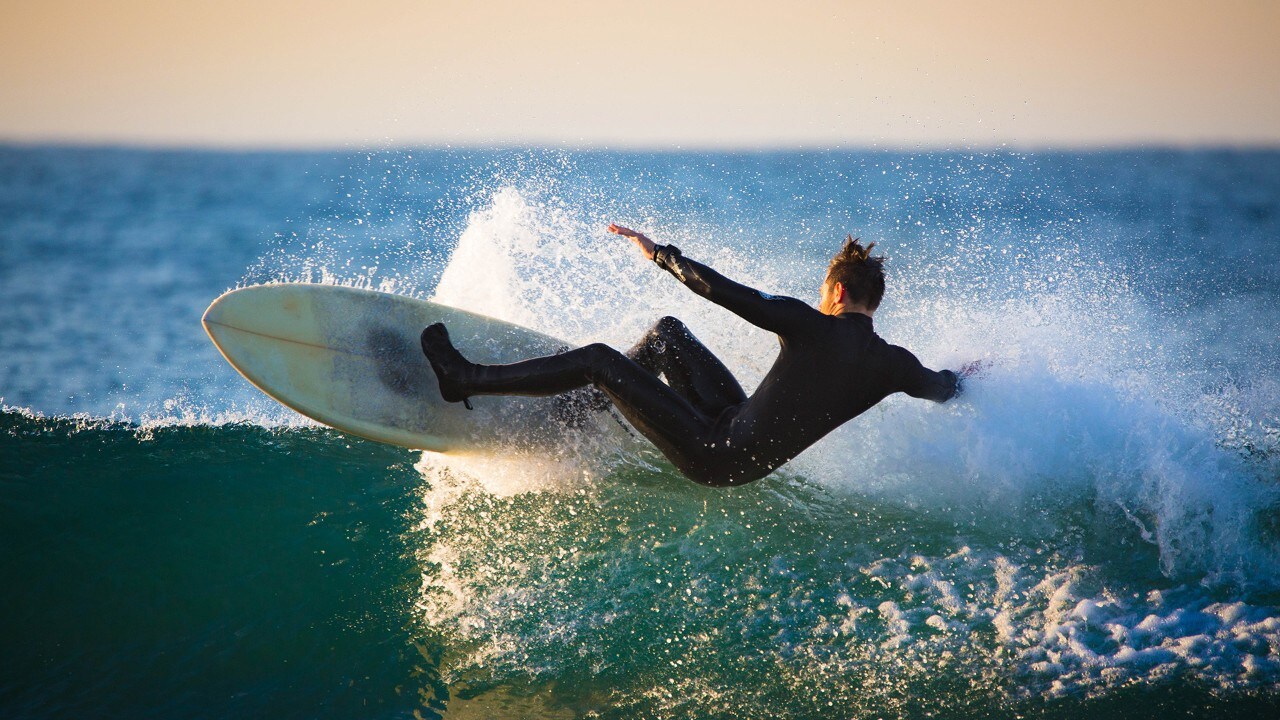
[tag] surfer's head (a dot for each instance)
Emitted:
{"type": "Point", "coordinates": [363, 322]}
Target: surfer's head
{"type": "Point", "coordinates": [854, 278]}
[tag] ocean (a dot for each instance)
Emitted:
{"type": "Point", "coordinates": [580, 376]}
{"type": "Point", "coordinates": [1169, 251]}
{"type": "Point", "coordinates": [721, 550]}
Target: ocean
{"type": "Point", "coordinates": [1092, 529]}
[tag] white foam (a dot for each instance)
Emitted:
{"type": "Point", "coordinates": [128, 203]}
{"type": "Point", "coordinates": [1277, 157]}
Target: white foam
{"type": "Point", "coordinates": [1038, 629]}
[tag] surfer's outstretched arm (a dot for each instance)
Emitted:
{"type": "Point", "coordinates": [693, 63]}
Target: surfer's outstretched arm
{"type": "Point", "coordinates": [919, 381]}
{"type": "Point", "coordinates": [777, 314]}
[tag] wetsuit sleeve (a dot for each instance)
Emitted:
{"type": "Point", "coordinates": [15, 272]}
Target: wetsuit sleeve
{"type": "Point", "coordinates": [919, 381]}
{"type": "Point", "coordinates": [781, 315]}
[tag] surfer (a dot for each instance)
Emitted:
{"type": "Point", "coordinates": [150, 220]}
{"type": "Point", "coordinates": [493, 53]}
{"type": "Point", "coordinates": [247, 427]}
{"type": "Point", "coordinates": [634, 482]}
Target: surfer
{"type": "Point", "coordinates": [831, 368]}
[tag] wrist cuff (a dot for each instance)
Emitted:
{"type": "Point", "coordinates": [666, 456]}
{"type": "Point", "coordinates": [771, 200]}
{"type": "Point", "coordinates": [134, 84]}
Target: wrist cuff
{"type": "Point", "coordinates": [663, 254]}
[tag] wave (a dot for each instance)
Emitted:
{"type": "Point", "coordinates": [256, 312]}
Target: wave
{"type": "Point", "coordinates": [514, 585]}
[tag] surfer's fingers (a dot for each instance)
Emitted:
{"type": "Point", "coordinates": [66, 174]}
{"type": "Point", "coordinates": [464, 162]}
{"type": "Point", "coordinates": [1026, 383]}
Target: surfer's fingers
{"type": "Point", "coordinates": [974, 368]}
{"type": "Point", "coordinates": [624, 231]}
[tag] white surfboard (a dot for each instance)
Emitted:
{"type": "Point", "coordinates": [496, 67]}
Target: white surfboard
{"type": "Point", "coordinates": [351, 359]}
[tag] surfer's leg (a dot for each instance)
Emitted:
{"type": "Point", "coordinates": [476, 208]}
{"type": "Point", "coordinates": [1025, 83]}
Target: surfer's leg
{"type": "Point", "coordinates": [657, 411]}
{"type": "Point", "coordinates": [669, 349]}
{"type": "Point", "coordinates": [575, 407]}
{"type": "Point", "coordinates": [596, 364]}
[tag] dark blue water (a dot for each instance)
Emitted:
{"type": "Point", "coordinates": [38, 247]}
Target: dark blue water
{"type": "Point", "coordinates": [1091, 530]}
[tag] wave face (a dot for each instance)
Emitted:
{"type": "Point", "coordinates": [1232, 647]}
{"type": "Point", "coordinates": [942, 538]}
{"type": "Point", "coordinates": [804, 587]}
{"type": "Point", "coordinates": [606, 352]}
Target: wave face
{"type": "Point", "coordinates": [234, 570]}
{"type": "Point", "coordinates": [1090, 529]}
{"type": "Point", "coordinates": [206, 571]}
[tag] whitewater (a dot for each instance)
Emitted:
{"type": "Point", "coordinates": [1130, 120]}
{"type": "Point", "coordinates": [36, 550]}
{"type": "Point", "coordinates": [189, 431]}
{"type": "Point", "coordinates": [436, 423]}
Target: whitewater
{"type": "Point", "coordinates": [1092, 527]}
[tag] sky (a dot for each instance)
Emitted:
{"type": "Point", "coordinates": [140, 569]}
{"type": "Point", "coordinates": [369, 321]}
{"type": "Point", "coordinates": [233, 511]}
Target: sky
{"type": "Point", "coordinates": [640, 74]}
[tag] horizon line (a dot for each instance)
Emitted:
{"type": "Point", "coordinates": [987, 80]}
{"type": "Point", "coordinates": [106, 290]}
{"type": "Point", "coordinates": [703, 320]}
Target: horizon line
{"type": "Point", "coordinates": [161, 145]}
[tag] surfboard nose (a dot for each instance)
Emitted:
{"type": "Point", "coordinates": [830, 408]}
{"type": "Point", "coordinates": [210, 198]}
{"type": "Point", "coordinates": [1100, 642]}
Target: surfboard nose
{"type": "Point", "coordinates": [210, 315]}
{"type": "Point", "coordinates": [238, 310]}
{"type": "Point", "coordinates": [222, 313]}
{"type": "Point", "coordinates": [242, 308]}
{"type": "Point", "coordinates": [210, 318]}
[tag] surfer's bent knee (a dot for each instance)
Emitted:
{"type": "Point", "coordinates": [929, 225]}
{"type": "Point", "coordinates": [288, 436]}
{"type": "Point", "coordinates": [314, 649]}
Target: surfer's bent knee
{"type": "Point", "coordinates": [600, 351]}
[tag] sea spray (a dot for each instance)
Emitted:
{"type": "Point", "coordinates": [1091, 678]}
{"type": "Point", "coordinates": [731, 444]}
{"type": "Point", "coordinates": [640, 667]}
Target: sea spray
{"type": "Point", "coordinates": [559, 272]}
{"type": "Point", "coordinates": [1045, 536]}
{"type": "Point", "coordinates": [1074, 410]}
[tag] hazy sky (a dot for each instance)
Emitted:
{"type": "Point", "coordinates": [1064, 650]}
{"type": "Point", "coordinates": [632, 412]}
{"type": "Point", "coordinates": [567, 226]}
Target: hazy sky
{"type": "Point", "coordinates": [640, 73]}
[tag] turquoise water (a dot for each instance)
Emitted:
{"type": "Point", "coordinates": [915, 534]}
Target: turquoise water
{"type": "Point", "coordinates": [1092, 530]}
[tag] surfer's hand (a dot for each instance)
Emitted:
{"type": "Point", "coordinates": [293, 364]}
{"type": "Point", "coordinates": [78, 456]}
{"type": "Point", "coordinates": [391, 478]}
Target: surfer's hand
{"type": "Point", "coordinates": [645, 244]}
{"type": "Point", "coordinates": [975, 368]}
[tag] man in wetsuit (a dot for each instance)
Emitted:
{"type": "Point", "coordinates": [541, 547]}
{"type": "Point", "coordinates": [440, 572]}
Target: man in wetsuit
{"type": "Point", "coordinates": [832, 367]}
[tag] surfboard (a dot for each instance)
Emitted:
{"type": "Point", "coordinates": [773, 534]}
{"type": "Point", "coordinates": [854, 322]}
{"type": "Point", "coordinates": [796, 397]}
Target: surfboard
{"type": "Point", "coordinates": [351, 359]}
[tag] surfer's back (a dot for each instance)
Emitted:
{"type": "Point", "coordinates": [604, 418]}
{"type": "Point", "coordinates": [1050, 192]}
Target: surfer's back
{"type": "Point", "coordinates": [832, 369]}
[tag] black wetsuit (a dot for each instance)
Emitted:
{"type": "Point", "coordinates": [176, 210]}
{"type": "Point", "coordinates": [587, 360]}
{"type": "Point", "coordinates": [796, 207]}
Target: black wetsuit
{"type": "Point", "coordinates": [830, 369]}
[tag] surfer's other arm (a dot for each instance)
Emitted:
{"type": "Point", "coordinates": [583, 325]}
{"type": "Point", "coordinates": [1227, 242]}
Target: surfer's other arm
{"type": "Point", "coordinates": [781, 315]}
{"type": "Point", "coordinates": [938, 385]}
{"type": "Point", "coordinates": [919, 381]}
